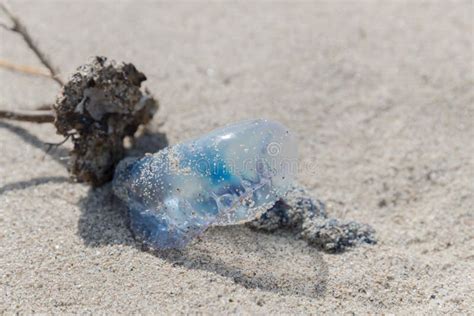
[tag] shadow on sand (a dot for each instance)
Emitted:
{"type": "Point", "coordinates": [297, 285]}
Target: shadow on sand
{"type": "Point", "coordinates": [57, 154]}
{"type": "Point", "coordinates": [270, 262]}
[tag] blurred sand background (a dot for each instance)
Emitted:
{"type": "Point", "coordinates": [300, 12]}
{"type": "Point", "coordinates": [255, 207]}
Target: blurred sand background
{"type": "Point", "coordinates": [380, 94]}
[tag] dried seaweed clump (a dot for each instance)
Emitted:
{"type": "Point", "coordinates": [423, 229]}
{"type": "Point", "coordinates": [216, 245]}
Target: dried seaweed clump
{"type": "Point", "coordinates": [98, 107]}
{"type": "Point", "coordinates": [307, 217]}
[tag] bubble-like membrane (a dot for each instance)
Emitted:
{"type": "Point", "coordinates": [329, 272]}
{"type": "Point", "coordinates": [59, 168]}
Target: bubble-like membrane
{"type": "Point", "coordinates": [228, 176]}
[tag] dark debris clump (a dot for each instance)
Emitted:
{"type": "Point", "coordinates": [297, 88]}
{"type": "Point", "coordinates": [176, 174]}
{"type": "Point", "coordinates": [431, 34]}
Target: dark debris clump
{"type": "Point", "coordinates": [308, 219]}
{"type": "Point", "coordinates": [290, 212]}
{"type": "Point", "coordinates": [100, 105]}
{"type": "Point", "coordinates": [334, 235]}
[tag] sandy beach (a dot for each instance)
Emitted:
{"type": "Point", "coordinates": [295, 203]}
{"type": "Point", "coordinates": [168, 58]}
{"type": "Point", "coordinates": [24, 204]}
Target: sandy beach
{"type": "Point", "coordinates": [380, 94]}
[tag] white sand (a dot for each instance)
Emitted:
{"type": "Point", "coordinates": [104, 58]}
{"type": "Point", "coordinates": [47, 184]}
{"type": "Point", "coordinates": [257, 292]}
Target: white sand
{"type": "Point", "coordinates": [380, 94]}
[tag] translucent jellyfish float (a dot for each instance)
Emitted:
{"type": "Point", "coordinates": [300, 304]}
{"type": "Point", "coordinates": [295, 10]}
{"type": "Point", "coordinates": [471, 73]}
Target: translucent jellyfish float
{"type": "Point", "coordinates": [229, 176]}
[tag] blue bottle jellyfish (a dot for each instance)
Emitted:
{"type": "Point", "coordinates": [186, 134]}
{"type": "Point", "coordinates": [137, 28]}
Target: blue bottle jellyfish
{"type": "Point", "coordinates": [228, 176]}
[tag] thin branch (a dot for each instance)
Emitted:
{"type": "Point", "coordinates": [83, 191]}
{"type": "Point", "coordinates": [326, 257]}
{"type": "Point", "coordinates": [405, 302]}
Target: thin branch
{"type": "Point", "coordinates": [55, 145]}
{"type": "Point", "coordinates": [28, 116]}
{"type": "Point", "coordinates": [25, 69]}
{"type": "Point", "coordinates": [44, 107]}
{"type": "Point", "coordinates": [21, 29]}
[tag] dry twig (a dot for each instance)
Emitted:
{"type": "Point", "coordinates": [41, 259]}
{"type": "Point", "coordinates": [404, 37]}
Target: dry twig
{"type": "Point", "coordinates": [43, 113]}
{"type": "Point", "coordinates": [28, 116]}
{"type": "Point", "coordinates": [24, 68]}
{"type": "Point", "coordinates": [19, 28]}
